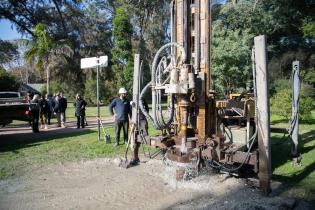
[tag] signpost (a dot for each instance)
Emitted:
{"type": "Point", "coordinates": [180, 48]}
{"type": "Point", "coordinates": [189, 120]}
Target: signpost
{"type": "Point", "coordinates": [88, 63]}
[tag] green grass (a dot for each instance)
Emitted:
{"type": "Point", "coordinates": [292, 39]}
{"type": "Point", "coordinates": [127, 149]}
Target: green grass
{"type": "Point", "coordinates": [17, 157]}
{"type": "Point", "coordinates": [90, 112]}
{"type": "Point", "coordinates": [296, 178]}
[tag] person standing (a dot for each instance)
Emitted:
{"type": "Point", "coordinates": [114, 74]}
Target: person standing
{"type": "Point", "coordinates": [57, 108]}
{"type": "Point", "coordinates": [122, 108]}
{"type": "Point", "coordinates": [51, 104]}
{"type": "Point", "coordinates": [35, 108]}
{"type": "Point", "coordinates": [63, 107]}
{"type": "Point", "coordinates": [80, 105]}
{"type": "Point", "coordinates": [44, 109]}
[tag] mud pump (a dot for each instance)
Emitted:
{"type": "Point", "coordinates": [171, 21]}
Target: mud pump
{"type": "Point", "coordinates": [197, 129]}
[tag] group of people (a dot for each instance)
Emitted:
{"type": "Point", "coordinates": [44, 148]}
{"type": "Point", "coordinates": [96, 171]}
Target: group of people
{"type": "Point", "coordinates": [43, 107]}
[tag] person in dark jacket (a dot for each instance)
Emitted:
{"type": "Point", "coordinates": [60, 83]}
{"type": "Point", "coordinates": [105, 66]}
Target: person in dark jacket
{"type": "Point", "coordinates": [35, 108]}
{"type": "Point", "coordinates": [122, 113]}
{"type": "Point", "coordinates": [44, 109]}
{"type": "Point", "coordinates": [51, 104]}
{"type": "Point", "coordinates": [62, 107]}
{"type": "Point", "coordinates": [57, 109]}
{"type": "Point", "coordinates": [79, 105]}
{"type": "Point", "coordinates": [28, 100]}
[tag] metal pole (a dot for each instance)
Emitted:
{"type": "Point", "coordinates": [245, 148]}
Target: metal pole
{"type": "Point", "coordinates": [295, 108]}
{"type": "Point", "coordinates": [98, 102]}
{"type": "Point", "coordinates": [263, 121]}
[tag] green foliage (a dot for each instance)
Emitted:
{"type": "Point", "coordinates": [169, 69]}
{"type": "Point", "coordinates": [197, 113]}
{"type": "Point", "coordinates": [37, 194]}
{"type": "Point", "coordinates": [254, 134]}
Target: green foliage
{"type": "Point", "coordinates": [231, 58]}
{"type": "Point", "coordinates": [8, 82]}
{"type": "Point", "coordinates": [107, 90]}
{"type": "Point", "coordinates": [122, 50]}
{"type": "Point", "coordinates": [56, 87]}
{"type": "Point", "coordinates": [43, 50]}
{"type": "Point", "coordinates": [282, 22]}
{"type": "Point", "coordinates": [310, 77]}
{"type": "Point", "coordinates": [281, 104]}
{"type": "Point", "coordinates": [122, 31]}
{"type": "Point", "coordinates": [7, 52]}
{"type": "Point", "coordinates": [309, 29]}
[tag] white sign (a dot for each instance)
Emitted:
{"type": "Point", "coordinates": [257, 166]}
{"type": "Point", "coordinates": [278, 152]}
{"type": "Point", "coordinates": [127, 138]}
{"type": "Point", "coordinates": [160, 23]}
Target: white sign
{"type": "Point", "coordinates": [87, 63]}
{"type": "Point", "coordinates": [103, 61]}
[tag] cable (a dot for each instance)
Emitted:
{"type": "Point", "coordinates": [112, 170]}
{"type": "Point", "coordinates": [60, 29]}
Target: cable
{"type": "Point", "coordinates": [158, 80]}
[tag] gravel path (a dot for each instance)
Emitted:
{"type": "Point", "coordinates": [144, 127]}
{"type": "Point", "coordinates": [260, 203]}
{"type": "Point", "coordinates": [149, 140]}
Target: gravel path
{"type": "Point", "coordinates": [101, 184]}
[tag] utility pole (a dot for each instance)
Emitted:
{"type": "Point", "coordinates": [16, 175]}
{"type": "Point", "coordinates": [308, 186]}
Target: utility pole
{"type": "Point", "coordinates": [87, 63]}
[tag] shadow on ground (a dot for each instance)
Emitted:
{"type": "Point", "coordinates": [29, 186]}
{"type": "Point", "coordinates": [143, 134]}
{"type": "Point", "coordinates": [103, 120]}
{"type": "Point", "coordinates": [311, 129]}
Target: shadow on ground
{"type": "Point", "coordinates": [280, 149]}
{"type": "Point", "coordinates": [12, 142]}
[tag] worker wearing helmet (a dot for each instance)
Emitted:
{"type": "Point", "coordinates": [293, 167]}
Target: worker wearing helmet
{"type": "Point", "coordinates": [121, 110]}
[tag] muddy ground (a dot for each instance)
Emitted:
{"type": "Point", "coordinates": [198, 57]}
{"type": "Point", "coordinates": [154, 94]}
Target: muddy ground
{"type": "Point", "coordinates": [101, 184]}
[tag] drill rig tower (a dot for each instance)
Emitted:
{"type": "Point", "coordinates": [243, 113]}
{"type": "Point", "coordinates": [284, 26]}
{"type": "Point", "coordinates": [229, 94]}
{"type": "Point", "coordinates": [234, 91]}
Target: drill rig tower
{"type": "Point", "coordinates": [198, 130]}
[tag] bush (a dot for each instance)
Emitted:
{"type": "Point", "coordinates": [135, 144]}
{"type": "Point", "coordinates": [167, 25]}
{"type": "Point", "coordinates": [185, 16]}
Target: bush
{"type": "Point", "coordinates": [107, 90]}
{"type": "Point", "coordinates": [8, 82]}
{"type": "Point", "coordinates": [281, 104]}
{"type": "Point", "coordinates": [56, 87]}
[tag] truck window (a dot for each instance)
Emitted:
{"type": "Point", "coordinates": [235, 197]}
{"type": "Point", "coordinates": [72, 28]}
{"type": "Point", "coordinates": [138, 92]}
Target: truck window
{"type": "Point", "coordinates": [9, 95]}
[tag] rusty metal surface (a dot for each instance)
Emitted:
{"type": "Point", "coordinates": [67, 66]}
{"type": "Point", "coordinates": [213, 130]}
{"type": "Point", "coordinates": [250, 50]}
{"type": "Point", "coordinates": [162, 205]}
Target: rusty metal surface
{"type": "Point", "coordinates": [176, 155]}
{"type": "Point", "coordinates": [161, 141]}
{"type": "Point", "coordinates": [239, 157]}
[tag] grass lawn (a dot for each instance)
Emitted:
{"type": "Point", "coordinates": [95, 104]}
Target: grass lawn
{"type": "Point", "coordinates": [90, 112]}
{"type": "Point", "coordinates": [16, 158]}
{"type": "Point", "coordinates": [302, 177]}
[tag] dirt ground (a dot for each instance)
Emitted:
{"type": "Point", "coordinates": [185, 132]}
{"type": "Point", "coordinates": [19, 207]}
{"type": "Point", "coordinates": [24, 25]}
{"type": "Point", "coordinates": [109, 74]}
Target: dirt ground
{"type": "Point", "coordinates": [101, 184]}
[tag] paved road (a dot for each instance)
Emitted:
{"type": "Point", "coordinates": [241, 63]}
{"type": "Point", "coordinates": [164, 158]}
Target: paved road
{"type": "Point", "coordinates": [24, 132]}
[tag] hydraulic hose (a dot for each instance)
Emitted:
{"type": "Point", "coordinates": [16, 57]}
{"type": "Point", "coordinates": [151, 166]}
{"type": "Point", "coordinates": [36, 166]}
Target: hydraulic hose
{"type": "Point", "coordinates": [159, 69]}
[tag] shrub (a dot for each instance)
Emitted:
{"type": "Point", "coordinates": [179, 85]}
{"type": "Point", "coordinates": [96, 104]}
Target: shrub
{"type": "Point", "coordinates": [281, 104]}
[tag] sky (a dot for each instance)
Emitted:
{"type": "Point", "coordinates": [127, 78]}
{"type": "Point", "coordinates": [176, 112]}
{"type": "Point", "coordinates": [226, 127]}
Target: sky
{"type": "Point", "coordinates": [6, 32]}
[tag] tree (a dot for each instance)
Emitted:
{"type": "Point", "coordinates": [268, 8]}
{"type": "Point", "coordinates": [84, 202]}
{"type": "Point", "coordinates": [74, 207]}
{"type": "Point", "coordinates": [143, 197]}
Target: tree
{"type": "Point", "coordinates": [151, 22]}
{"type": "Point", "coordinates": [122, 51]}
{"type": "Point", "coordinates": [43, 50]}
{"type": "Point", "coordinates": [8, 52]}
{"type": "Point", "coordinates": [287, 24]}
{"type": "Point", "coordinates": [231, 58]}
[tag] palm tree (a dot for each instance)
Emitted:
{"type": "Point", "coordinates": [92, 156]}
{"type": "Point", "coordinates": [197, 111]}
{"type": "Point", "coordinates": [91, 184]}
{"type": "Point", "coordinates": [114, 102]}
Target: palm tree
{"type": "Point", "coordinates": [43, 50]}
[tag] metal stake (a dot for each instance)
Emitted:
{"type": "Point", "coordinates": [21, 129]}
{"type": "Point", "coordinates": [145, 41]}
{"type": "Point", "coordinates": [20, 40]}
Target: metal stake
{"type": "Point", "coordinates": [98, 103]}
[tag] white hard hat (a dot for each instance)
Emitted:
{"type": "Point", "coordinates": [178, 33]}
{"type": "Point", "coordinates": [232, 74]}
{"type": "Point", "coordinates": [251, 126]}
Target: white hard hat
{"type": "Point", "coordinates": [122, 91]}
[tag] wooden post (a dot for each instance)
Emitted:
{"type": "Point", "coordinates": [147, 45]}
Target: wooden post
{"type": "Point", "coordinates": [263, 121]}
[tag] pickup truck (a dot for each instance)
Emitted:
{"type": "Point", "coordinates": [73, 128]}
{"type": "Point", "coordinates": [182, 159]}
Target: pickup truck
{"type": "Point", "coordinates": [12, 107]}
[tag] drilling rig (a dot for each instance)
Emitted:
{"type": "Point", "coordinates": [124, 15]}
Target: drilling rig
{"type": "Point", "coordinates": [197, 129]}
